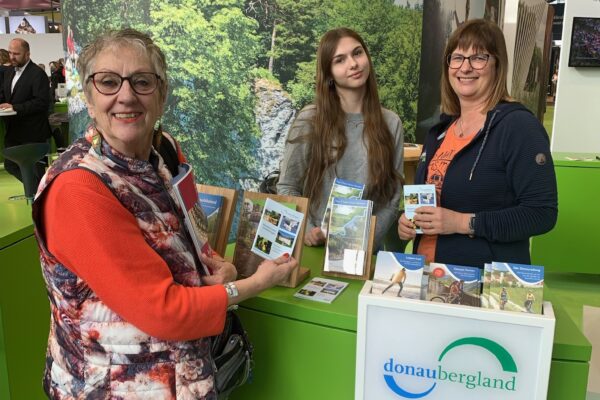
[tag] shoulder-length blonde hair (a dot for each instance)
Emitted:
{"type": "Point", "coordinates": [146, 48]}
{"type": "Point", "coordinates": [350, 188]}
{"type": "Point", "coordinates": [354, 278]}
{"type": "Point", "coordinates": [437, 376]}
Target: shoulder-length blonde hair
{"type": "Point", "coordinates": [483, 36]}
{"type": "Point", "coordinates": [327, 136]}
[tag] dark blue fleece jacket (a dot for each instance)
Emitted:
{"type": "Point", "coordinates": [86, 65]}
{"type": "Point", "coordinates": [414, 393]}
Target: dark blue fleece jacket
{"type": "Point", "coordinates": [505, 175]}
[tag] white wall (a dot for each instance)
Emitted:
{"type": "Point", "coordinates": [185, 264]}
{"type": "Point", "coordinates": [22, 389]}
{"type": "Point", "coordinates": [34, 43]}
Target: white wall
{"type": "Point", "coordinates": [577, 109]}
{"type": "Point", "coordinates": [44, 47]}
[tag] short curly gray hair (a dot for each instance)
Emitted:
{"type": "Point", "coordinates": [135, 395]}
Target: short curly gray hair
{"type": "Point", "coordinates": [121, 38]}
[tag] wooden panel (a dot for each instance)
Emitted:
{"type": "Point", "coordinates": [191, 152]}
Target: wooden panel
{"type": "Point", "coordinates": [228, 211]}
{"type": "Point", "coordinates": [300, 273]}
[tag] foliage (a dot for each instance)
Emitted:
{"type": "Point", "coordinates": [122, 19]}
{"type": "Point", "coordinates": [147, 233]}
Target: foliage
{"type": "Point", "coordinates": [89, 18]}
{"type": "Point", "coordinates": [302, 88]}
{"type": "Point", "coordinates": [216, 49]}
{"type": "Point", "coordinates": [210, 51]}
{"type": "Point", "coordinates": [393, 36]}
{"type": "Point", "coordinates": [289, 32]}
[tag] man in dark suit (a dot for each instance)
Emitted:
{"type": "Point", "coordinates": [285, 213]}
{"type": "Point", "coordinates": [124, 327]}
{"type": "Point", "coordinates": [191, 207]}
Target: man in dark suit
{"type": "Point", "coordinates": [26, 90]}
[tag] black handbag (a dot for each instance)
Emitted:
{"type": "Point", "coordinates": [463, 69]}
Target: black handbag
{"type": "Point", "coordinates": [232, 355]}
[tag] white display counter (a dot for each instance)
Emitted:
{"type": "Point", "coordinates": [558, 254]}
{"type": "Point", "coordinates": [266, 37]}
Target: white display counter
{"type": "Point", "coordinates": [411, 349]}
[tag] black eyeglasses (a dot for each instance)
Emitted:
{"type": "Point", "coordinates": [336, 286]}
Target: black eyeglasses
{"type": "Point", "coordinates": [109, 83]}
{"type": "Point", "coordinates": [476, 61]}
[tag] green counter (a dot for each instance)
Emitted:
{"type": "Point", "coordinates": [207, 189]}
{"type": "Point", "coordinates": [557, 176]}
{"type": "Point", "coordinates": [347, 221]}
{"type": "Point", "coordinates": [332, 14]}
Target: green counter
{"type": "Point", "coordinates": [305, 349]}
{"type": "Point", "coordinates": [571, 245]}
{"type": "Point", "coordinates": [24, 309]}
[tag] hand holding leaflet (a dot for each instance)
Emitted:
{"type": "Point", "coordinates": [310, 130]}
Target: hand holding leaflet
{"type": "Point", "coordinates": [277, 231]}
{"type": "Point", "coordinates": [416, 196]}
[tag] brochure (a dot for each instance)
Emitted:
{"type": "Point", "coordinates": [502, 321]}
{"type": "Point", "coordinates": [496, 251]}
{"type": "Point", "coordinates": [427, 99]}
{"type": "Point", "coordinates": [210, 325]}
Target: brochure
{"type": "Point", "coordinates": [347, 239]}
{"type": "Point", "coordinates": [416, 196]}
{"type": "Point", "coordinates": [517, 287]}
{"type": "Point", "coordinates": [341, 189]}
{"type": "Point", "coordinates": [454, 284]}
{"type": "Point", "coordinates": [321, 290]}
{"type": "Point", "coordinates": [485, 291]}
{"type": "Point", "coordinates": [277, 230]}
{"type": "Point", "coordinates": [244, 259]}
{"type": "Point", "coordinates": [186, 195]}
{"type": "Point", "coordinates": [398, 275]}
{"type": "Point", "coordinates": [212, 204]}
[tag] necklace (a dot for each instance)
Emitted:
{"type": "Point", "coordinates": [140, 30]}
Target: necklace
{"type": "Point", "coordinates": [460, 125]}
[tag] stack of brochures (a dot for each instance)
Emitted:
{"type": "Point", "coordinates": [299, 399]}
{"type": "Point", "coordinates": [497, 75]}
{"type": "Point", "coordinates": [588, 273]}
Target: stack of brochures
{"type": "Point", "coordinates": [513, 287]}
{"type": "Point", "coordinates": [348, 236]}
{"type": "Point", "coordinates": [454, 284]}
{"type": "Point", "coordinates": [341, 189]}
{"type": "Point", "coordinates": [184, 187]}
{"type": "Point", "coordinates": [212, 204]}
{"type": "Point", "coordinates": [398, 275]}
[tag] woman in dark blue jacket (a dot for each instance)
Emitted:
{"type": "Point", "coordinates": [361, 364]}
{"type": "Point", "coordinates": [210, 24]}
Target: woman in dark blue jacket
{"type": "Point", "coordinates": [488, 157]}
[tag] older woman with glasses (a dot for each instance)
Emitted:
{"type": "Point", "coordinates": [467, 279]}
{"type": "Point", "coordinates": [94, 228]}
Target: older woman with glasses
{"type": "Point", "coordinates": [489, 159]}
{"type": "Point", "coordinates": [131, 315]}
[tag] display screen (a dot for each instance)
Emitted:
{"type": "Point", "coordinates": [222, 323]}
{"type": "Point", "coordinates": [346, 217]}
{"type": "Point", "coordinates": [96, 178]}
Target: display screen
{"type": "Point", "coordinates": [585, 42]}
{"type": "Point", "coordinates": [27, 24]}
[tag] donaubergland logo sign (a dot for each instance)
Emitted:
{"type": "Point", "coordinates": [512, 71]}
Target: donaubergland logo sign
{"type": "Point", "coordinates": [395, 372]}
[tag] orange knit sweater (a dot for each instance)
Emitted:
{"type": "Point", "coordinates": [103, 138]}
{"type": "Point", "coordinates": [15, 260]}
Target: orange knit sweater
{"type": "Point", "coordinates": [90, 232]}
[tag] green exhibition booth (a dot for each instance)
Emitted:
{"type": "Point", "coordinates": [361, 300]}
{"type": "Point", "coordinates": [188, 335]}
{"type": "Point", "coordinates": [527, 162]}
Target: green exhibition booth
{"type": "Point", "coordinates": [306, 349]}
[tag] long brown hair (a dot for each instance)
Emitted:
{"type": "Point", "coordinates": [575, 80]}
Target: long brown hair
{"type": "Point", "coordinates": [327, 138]}
{"type": "Point", "coordinates": [482, 35]}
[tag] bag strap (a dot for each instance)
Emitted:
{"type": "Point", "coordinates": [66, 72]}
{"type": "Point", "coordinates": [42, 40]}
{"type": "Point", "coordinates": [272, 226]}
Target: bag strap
{"type": "Point", "coordinates": [169, 154]}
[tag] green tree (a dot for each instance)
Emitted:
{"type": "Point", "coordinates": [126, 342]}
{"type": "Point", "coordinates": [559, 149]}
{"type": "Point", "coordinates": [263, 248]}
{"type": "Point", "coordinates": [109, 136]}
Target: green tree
{"type": "Point", "coordinates": [89, 18]}
{"type": "Point", "coordinates": [211, 49]}
{"type": "Point", "coordinates": [211, 52]}
{"type": "Point", "coordinates": [393, 36]}
{"type": "Point", "coordinates": [288, 31]}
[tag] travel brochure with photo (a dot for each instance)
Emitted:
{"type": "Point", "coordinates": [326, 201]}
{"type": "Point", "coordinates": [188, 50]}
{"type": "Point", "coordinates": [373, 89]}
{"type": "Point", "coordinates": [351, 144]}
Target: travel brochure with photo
{"type": "Point", "coordinates": [454, 284]}
{"type": "Point", "coordinates": [212, 204]}
{"type": "Point", "coordinates": [347, 239]}
{"type": "Point", "coordinates": [485, 290]}
{"type": "Point", "coordinates": [245, 261]}
{"type": "Point", "coordinates": [416, 196]}
{"type": "Point", "coordinates": [516, 287]}
{"type": "Point", "coordinates": [342, 189]}
{"type": "Point", "coordinates": [186, 194]}
{"type": "Point", "coordinates": [277, 230]}
{"type": "Point", "coordinates": [321, 290]}
{"type": "Point", "coordinates": [398, 275]}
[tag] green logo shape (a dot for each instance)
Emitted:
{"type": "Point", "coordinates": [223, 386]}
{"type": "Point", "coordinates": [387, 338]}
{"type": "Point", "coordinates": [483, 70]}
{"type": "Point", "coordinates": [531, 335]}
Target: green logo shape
{"type": "Point", "coordinates": [503, 356]}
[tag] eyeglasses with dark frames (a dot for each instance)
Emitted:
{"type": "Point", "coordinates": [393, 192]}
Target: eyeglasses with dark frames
{"type": "Point", "coordinates": [109, 83]}
{"type": "Point", "coordinates": [476, 61]}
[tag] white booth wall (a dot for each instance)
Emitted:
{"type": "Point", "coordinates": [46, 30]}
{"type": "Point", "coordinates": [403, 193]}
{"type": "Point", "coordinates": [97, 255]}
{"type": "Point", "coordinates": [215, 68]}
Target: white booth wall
{"type": "Point", "coordinates": [44, 47]}
{"type": "Point", "coordinates": [577, 109]}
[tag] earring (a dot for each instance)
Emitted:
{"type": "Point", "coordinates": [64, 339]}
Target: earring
{"type": "Point", "coordinates": [157, 133]}
{"type": "Point", "coordinates": [331, 83]}
{"type": "Point", "coordinates": [158, 127]}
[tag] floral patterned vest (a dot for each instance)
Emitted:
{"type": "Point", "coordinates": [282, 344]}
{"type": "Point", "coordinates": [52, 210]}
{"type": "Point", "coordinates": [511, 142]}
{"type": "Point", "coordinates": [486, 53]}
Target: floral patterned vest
{"type": "Point", "coordinates": [92, 352]}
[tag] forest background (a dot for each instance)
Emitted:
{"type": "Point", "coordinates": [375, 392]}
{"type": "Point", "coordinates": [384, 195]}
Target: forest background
{"type": "Point", "coordinates": [240, 70]}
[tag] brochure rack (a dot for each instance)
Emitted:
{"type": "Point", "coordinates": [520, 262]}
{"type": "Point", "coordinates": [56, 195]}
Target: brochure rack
{"type": "Point", "coordinates": [418, 349]}
{"type": "Point", "coordinates": [228, 210]}
{"type": "Point", "coordinates": [241, 260]}
{"type": "Point", "coordinates": [368, 270]}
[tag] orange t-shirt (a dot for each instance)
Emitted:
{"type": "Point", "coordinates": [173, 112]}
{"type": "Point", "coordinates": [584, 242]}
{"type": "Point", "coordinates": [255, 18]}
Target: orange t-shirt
{"type": "Point", "coordinates": [436, 172]}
